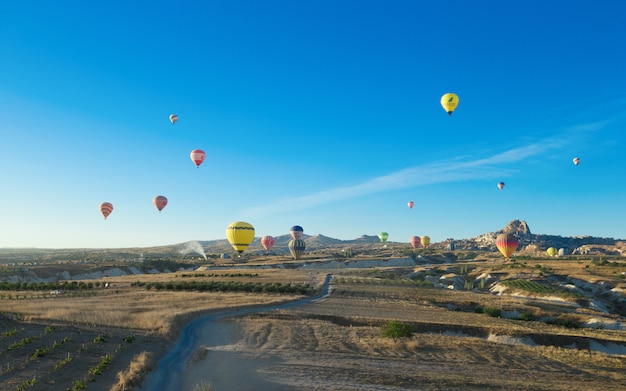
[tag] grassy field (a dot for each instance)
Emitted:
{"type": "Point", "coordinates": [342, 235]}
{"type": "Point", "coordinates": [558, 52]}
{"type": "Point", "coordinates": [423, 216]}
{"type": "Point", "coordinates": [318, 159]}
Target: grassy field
{"type": "Point", "coordinates": [529, 337]}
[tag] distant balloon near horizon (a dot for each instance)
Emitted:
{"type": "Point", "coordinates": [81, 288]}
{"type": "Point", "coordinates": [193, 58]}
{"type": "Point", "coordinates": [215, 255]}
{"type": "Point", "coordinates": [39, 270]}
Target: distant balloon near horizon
{"type": "Point", "coordinates": [507, 244]}
{"type": "Point", "coordinates": [267, 242]}
{"type": "Point", "coordinates": [296, 248]}
{"type": "Point", "coordinates": [240, 234]}
{"type": "Point", "coordinates": [501, 185]}
{"type": "Point", "coordinates": [106, 208]}
{"type": "Point", "coordinates": [197, 156]}
{"type": "Point", "coordinates": [173, 118]}
{"type": "Point", "coordinates": [410, 204]}
{"type": "Point", "coordinates": [425, 241]}
{"type": "Point", "coordinates": [449, 102]}
{"type": "Point", "coordinates": [383, 236]}
{"type": "Point", "coordinates": [296, 232]}
{"type": "Point", "coordinates": [551, 251]}
{"type": "Point", "coordinates": [576, 161]}
{"type": "Point", "coordinates": [415, 241]}
{"type": "Point", "coordinates": [159, 202]}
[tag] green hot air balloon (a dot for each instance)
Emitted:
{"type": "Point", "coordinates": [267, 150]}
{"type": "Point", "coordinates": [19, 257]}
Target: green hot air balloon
{"type": "Point", "coordinates": [296, 248]}
{"type": "Point", "coordinates": [240, 234]}
{"type": "Point", "coordinates": [383, 236]}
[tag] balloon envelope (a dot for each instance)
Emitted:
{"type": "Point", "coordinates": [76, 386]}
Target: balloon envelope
{"type": "Point", "coordinates": [415, 241]}
{"type": "Point", "coordinates": [449, 102]}
{"type": "Point", "coordinates": [576, 161]}
{"type": "Point", "coordinates": [551, 251]}
{"type": "Point", "coordinates": [173, 118]}
{"type": "Point", "coordinates": [197, 156]}
{"type": "Point", "coordinates": [159, 202]}
{"type": "Point", "coordinates": [383, 236]}
{"type": "Point", "coordinates": [501, 186]}
{"type": "Point", "coordinates": [296, 248]}
{"type": "Point", "coordinates": [296, 231]}
{"type": "Point", "coordinates": [106, 208]}
{"type": "Point", "coordinates": [425, 240]}
{"type": "Point", "coordinates": [267, 242]}
{"type": "Point", "coordinates": [451, 246]}
{"type": "Point", "coordinates": [240, 234]}
{"type": "Point", "coordinates": [410, 204]}
{"type": "Point", "coordinates": [507, 244]}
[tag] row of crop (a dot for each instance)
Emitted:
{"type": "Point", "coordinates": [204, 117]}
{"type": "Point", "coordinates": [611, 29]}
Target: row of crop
{"type": "Point", "coordinates": [535, 287]}
{"type": "Point", "coordinates": [48, 286]}
{"type": "Point", "coordinates": [231, 286]}
{"type": "Point", "coordinates": [186, 275]}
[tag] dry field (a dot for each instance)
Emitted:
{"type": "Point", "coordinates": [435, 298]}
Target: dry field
{"type": "Point", "coordinates": [61, 342]}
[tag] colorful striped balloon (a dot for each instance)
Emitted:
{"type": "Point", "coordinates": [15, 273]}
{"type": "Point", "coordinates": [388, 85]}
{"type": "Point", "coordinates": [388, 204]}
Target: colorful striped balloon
{"type": "Point", "coordinates": [106, 208]}
{"type": "Point", "coordinates": [296, 248]}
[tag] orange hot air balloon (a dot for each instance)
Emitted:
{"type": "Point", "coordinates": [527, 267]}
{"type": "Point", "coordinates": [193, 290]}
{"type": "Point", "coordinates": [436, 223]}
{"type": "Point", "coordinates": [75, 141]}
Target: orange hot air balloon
{"type": "Point", "coordinates": [159, 202]}
{"type": "Point", "coordinates": [173, 118]}
{"type": "Point", "coordinates": [415, 241]}
{"type": "Point", "coordinates": [197, 156]}
{"type": "Point", "coordinates": [507, 244]}
{"type": "Point", "coordinates": [267, 242]}
{"type": "Point", "coordinates": [106, 208]}
{"type": "Point", "coordinates": [410, 204]}
{"type": "Point", "coordinates": [500, 185]}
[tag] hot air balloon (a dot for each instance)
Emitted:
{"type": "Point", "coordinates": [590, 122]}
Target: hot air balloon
{"type": "Point", "coordinates": [507, 244]}
{"type": "Point", "coordinates": [410, 204]}
{"type": "Point", "coordinates": [562, 251]}
{"type": "Point", "coordinates": [267, 242]}
{"type": "Point", "coordinates": [383, 236]}
{"type": "Point", "coordinates": [197, 156]}
{"type": "Point", "coordinates": [451, 246]}
{"type": "Point", "coordinates": [415, 241]}
{"type": "Point", "coordinates": [501, 185]}
{"type": "Point", "coordinates": [296, 231]}
{"type": "Point", "coordinates": [449, 102]}
{"type": "Point", "coordinates": [551, 251]}
{"type": "Point", "coordinates": [106, 208]}
{"type": "Point", "coordinates": [576, 161]}
{"type": "Point", "coordinates": [159, 202]}
{"type": "Point", "coordinates": [425, 240]}
{"type": "Point", "coordinates": [296, 248]}
{"type": "Point", "coordinates": [173, 118]}
{"type": "Point", "coordinates": [240, 234]}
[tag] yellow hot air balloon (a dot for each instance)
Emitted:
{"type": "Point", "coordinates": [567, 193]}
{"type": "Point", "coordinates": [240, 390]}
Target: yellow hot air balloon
{"type": "Point", "coordinates": [240, 234]}
{"type": "Point", "coordinates": [425, 241]}
{"type": "Point", "coordinates": [551, 251]}
{"type": "Point", "coordinates": [449, 102]}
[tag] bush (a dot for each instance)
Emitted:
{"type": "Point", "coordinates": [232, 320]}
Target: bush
{"type": "Point", "coordinates": [396, 330]}
{"type": "Point", "coordinates": [492, 311]}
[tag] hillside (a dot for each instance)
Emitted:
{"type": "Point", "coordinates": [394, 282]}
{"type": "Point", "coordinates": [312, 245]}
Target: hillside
{"type": "Point", "coordinates": [530, 243]}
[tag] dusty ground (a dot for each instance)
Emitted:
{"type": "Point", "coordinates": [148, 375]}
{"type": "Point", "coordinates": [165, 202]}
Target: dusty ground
{"type": "Point", "coordinates": [334, 344]}
{"type": "Point", "coordinates": [307, 349]}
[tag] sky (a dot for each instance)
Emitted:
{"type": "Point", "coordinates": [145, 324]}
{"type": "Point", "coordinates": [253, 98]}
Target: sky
{"type": "Point", "coordinates": [324, 114]}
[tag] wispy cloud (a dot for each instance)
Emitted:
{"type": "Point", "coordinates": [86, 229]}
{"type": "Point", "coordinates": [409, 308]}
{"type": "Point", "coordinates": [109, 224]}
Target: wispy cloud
{"type": "Point", "coordinates": [499, 165]}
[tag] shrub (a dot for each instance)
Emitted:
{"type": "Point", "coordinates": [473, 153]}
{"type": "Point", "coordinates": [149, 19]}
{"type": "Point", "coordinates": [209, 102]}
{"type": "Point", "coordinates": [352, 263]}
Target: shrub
{"type": "Point", "coordinates": [492, 311]}
{"type": "Point", "coordinates": [396, 330]}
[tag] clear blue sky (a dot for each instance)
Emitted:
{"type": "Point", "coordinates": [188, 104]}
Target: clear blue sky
{"type": "Point", "coordinates": [323, 114]}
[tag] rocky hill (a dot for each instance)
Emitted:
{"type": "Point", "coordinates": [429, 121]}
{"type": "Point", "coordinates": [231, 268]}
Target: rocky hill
{"type": "Point", "coordinates": [535, 243]}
